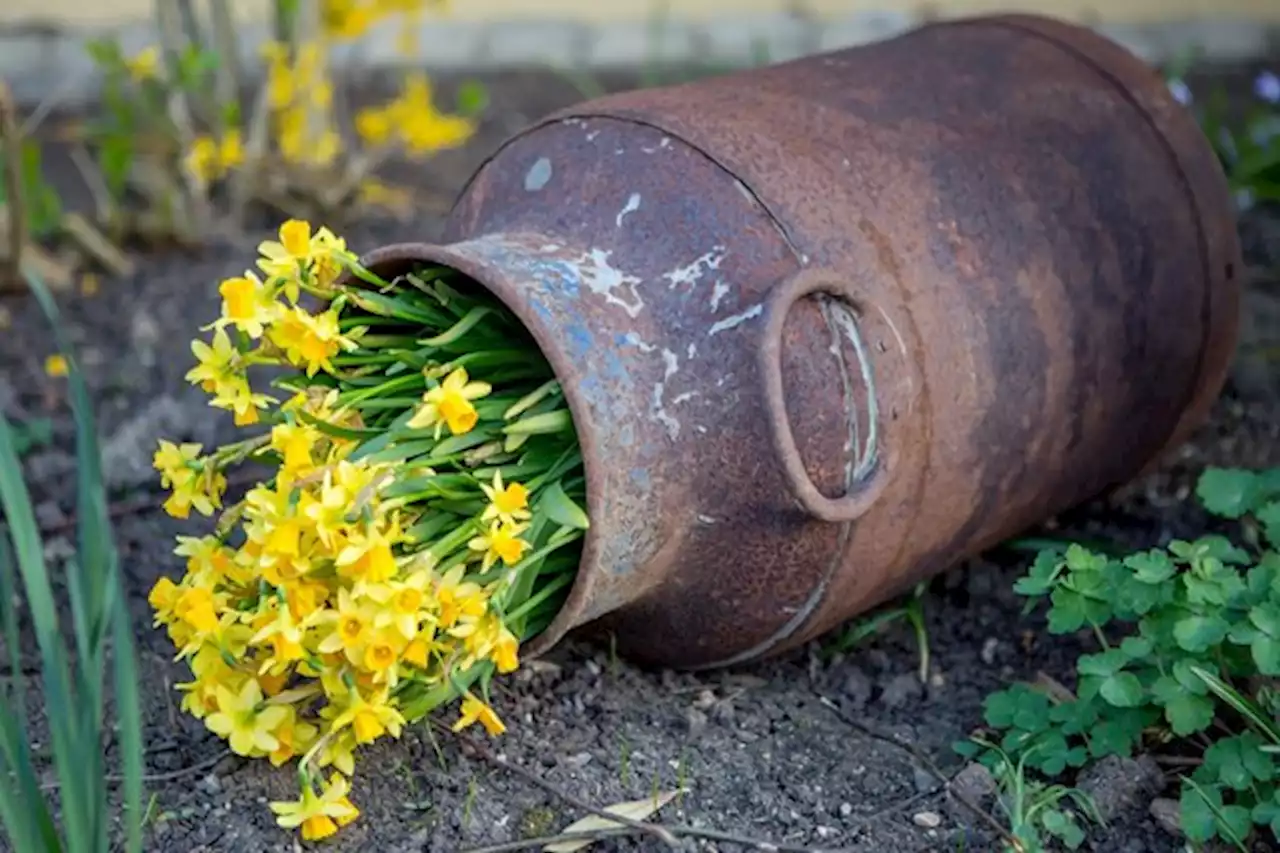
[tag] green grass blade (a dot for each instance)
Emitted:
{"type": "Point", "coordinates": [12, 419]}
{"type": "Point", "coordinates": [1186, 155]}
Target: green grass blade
{"type": "Point", "coordinates": [104, 612]}
{"type": "Point", "coordinates": [28, 548]}
{"type": "Point", "coordinates": [23, 808]}
{"type": "Point", "coordinates": [1248, 709]}
{"type": "Point", "coordinates": [129, 712]}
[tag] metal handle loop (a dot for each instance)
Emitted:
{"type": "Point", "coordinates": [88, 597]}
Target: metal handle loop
{"type": "Point", "coordinates": [865, 491]}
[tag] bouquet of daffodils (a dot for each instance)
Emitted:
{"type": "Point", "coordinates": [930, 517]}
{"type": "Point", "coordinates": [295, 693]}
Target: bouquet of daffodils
{"type": "Point", "coordinates": [421, 519]}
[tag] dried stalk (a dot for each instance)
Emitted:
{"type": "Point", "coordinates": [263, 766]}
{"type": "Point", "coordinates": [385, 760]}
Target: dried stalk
{"type": "Point", "coordinates": [11, 149]}
{"type": "Point", "coordinates": [191, 28]}
{"type": "Point", "coordinates": [226, 46]}
{"type": "Point", "coordinates": [191, 207]}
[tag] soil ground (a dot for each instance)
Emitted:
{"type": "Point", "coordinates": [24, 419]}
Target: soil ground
{"type": "Point", "coordinates": [759, 751]}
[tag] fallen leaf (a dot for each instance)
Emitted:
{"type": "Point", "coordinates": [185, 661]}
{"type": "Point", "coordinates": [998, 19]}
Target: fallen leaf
{"type": "Point", "coordinates": [633, 809]}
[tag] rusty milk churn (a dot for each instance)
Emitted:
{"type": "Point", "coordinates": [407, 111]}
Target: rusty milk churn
{"type": "Point", "coordinates": [830, 326]}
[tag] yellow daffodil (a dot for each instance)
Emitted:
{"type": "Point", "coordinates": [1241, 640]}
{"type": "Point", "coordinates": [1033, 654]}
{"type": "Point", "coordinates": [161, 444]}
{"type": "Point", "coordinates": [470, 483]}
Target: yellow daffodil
{"type": "Point", "coordinates": [144, 64]}
{"type": "Point", "coordinates": [500, 542]}
{"type": "Point", "coordinates": [247, 304]}
{"type": "Point", "coordinates": [507, 504]}
{"type": "Point", "coordinates": [369, 718]}
{"type": "Point", "coordinates": [245, 721]}
{"type": "Point", "coordinates": [318, 816]}
{"type": "Point", "coordinates": [458, 598]}
{"type": "Point", "coordinates": [287, 257]}
{"type": "Point", "coordinates": [449, 403]}
{"type": "Point", "coordinates": [474, 710]}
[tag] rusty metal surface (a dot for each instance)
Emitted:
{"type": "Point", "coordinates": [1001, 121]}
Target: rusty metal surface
{"type": "Point", "coordinates": [830, 326]}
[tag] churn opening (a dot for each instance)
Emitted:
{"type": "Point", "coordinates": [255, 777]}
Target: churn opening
{"type": "Point", "coordinates": [559, 479]}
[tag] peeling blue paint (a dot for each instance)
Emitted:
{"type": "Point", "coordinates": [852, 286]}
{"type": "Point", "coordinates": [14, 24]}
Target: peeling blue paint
{"type": "Point", "coordinates": [640, 477]}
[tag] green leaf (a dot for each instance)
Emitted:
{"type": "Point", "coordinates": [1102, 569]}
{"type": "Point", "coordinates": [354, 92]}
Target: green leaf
{"type": "Point", "coordinates": [1040, 577]}
{"type": "Point", "coordinates": [1017, 707]}
{"type": "Point", "coordinates": [473, 98]}
{"type": "Point", "coordinates": [1269, 518]}
{"type": "Point", "coordinates": [1197, 634]}
{"type": "Point", "coordinates": [543, 424]}
{"type": "Point", "coordinates": [1267, 813]}
{"type": "Point", "coordinates": [1102, 665]}
{"type": "Point", "coordinates": [1123, 690]}
{"type": "Point", "coordinates": [1188, 713]}
{"type": "Point", "coordinates": [1198, 821]}
{"type": "Point", "coordinates": [1228, 492]}
{"type": "Point", "coordinates": [1151, 567]}
{"type": "Point", "coordinates": [561, 509]}
{"type": "Point", "coordinates": [1059, 824]}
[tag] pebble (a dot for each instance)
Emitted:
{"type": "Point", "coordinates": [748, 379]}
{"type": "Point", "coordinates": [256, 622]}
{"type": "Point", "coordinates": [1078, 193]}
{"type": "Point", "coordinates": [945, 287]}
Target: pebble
{"type": "Point", "coordinates": [1167, 815]}
{"type": "Point", "coordinates": [927, 820]}
{"type": "Point", "coordinates": [902, 690]}
{"type": "Point", "coordinates": [581, 759]}
{"type": "Point", "coordinates": [989, 648]}
{"type": "Point", "coordinates": [695, 720]}
{"type": "Point", "coordinates": [211, 784]}
{"type": "Point", "coordinates": [746, 736]}
{"type": "Point", "coordinates": [974, 782]}
{"type": "Point", "coordinates": [846, 809]}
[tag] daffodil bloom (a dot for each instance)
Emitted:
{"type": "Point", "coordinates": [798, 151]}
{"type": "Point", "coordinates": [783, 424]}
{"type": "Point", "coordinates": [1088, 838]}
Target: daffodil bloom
{"type": "Point", "coordinates": [226, 633]}
{"type": "Point", "coordinates": [508, 504]}
{"type": "Point", "coordinates": [285, 634]}
{"type": "Point", "coordinates": [501, 542]}
{"type": "Point", "coordinates": [405, 602]}
{"type": "Point", "coordinates": [245, 721]}
{"type": "Point", "coordinates": [176, 463]}
{"type": "Point", "coordinates": [247, 304]}
{"type": "Point", "coordinates": [331, 258]}
{"type": "Point", "coordinates": [144, 64]}
{"type": "Point", "coordinates": [458, 598]}
{"type": "Point", "coordinates": [56, 365]}
{"type": "Point", "coordinates": [449, 403]}
{"type": "Point", "coordinates": [293, 738]}
{"type": "Point", "coordinates": [310, 341]}
{"type": "Point", "coordinates": [162, 598]}
{"type": "Point", "coordinates": [219, 365]}
{"type": "Point", "coordinates": [351, 623]}
{"type": "Point", "coordinates": [287, 257]}
{"type": "Point", "coordinates": [368, 557]}
{"type": "Point", "coordinates": [319, 816]}
{"type": "Point", "coordinates": [209, 561]}
{"type": "Point", "coordinates": [192, 481]}
{"type": "Point", "coordinates": [296, 444]}
{"type": "Point", "coordinates": [369, 718]}
{"type": "Point", "coordinates": [474, 710]}
{"type": "Point", "coordinates": [381, 655]}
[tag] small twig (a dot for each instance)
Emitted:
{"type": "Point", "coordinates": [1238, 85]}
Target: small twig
{"type": "Point", "coordinates": [665, 832]}
{"type": "Point", "coordinates": [103, 203]}
{"type": "Point", "coordinates": [931, 767]}
{"type": "Point", "coordinates": [11, 150]}
{"type": "Point", "coordinates": [159, 777]}
{"type": "Point", "coordinates": [544, 840]}
{"type": "Point", "coordinates": [577, 802]}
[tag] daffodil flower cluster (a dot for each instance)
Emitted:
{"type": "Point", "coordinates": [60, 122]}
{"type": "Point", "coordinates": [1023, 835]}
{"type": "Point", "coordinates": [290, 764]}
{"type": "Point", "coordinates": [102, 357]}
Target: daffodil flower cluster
{"type": "Point", "coordinates": [417, 526]}
{"type": "Point", "coordinates": [300, 102]}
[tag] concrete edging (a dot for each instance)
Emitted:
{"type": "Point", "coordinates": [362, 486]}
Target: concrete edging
{"type": "Point", "coordinates": [38, 62]}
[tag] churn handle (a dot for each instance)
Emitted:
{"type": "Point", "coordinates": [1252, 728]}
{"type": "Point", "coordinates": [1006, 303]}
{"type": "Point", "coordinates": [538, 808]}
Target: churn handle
{"type": "Point", "coordinates": [783, 296]}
